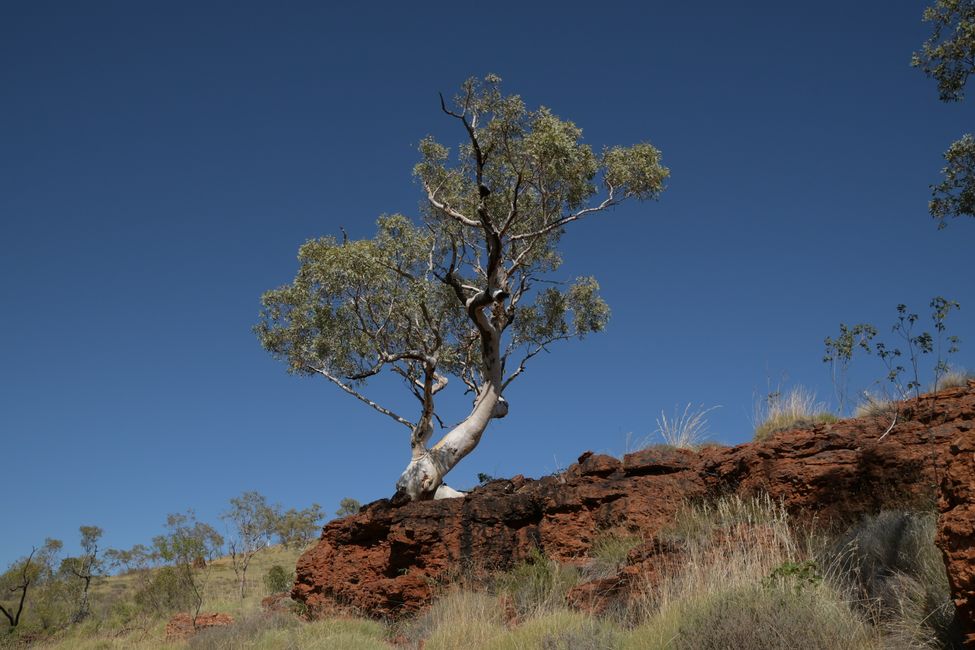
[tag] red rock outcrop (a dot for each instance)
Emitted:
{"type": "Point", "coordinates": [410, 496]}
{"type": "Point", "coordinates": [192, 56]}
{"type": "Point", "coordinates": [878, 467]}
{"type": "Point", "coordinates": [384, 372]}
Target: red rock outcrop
{"type": "Point", "coordinates": [181, 625]}
{"type": "Point", "coordinates": [384, 560]}
{"type": "Point", "coordinates": [956, 529]}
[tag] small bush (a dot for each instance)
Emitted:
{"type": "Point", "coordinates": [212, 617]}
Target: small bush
{"type": "Point", "coordinates": [168, 591]}
{"type": "Point", "coordinates": [278, 579]}
{"type": "Point", "coordinates": [889, 565]}
{"type": "Point", "coordinates": [794, 574]}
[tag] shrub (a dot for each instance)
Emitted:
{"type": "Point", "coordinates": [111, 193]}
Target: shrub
{"type": "Point", "coordinates": [166, 592]}
{"type": "Point", "coordinates": [889, 564]}
{"type": "Point", "coordinates": [278, 579]}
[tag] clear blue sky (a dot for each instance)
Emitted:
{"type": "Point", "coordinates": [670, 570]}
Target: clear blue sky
{"type": "Point", "coordinates": [161, 162]}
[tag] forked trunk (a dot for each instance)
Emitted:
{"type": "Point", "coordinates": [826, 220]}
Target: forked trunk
{"type": "Point", "coordinates": [424, 474]}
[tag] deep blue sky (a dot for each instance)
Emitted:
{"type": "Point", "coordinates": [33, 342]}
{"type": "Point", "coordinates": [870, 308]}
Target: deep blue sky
{"type": "Point", "coordinates": [160, 163]}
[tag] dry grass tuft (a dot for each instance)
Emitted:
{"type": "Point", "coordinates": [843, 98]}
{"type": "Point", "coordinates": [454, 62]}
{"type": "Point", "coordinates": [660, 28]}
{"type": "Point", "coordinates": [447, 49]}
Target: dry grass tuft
{"type": "Point", "coordinates": [796, 409]}
{"type": "Point", "coordinates": [685, 430]}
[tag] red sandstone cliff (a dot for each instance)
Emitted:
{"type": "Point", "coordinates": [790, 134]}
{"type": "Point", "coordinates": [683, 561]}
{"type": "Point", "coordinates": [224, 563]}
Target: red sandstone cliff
{"type": "Point", "coordinates": [382, 561]}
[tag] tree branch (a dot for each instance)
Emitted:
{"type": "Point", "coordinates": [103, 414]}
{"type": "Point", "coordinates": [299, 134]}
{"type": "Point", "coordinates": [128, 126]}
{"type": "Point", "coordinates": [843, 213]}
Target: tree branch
{"type": "Point", "coordinates": [609, 201]}
{"type": "Point", "coordinates": [447, 210]}
{"type": "Point", "coordinates": [354, 393]}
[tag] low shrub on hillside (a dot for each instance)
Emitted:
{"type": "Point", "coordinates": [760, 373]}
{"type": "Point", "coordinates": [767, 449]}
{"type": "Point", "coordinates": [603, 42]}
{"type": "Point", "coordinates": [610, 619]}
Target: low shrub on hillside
{"type": "Point", "coordinates": [278, 579]}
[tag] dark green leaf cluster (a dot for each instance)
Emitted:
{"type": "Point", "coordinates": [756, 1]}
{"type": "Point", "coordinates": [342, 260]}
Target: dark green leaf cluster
{"type": "Point", "coordinates": [955, 195]}
{"type": "Point", "coordinates": [949, 57]}
{"type": "Point", "coordinates": [949, 53]}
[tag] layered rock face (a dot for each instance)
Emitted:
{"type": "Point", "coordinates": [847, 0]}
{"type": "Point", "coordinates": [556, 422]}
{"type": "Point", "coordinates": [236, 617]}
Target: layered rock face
{"type": "Point", "coordinates": [956, 530]}
{"type": "Point", "coordinates": [386, 560]}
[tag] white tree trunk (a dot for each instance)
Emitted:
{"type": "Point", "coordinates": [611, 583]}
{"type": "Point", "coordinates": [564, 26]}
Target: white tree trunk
{"type": "Point", "coordinates": [426, 470]}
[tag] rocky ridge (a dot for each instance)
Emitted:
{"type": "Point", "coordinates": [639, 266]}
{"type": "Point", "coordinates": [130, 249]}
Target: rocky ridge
{"type": "Point", "coordinates": [386, 560]}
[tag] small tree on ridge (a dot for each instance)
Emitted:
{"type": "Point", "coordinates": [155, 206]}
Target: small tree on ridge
{"type": "Point", "coordinates": [458, 295]}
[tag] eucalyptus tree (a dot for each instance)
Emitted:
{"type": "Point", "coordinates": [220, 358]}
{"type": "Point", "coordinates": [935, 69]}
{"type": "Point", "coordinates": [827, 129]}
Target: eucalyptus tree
{"type": "Point", "coordinates": [948, 56]}
{"type": "Point", "coordinates": [465, 292]}
{"type": "Point", "coordinates": [79, 571]}
{"type": "Point", "coordinates": [253, 523]}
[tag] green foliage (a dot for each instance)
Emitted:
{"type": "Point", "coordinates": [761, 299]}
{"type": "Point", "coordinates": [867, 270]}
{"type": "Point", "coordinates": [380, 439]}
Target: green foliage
{"type": "Point", "coordinates": [484, 479]}
{"type": "Point", "coordinates": [166, 592]}
{"type": "Point", "coordinates": [187, 541]}
{"type": "Point", "coordinates": [458, 292]}
{"type": "Point", "coordinates": [796, 574]}
{"type": "Point", "coordinates": [297, 528]}
{"type": "Point", "coordinates": [28, 589]}
{"type": "Point", "coordinates": [948, 56]}
{"type": "Point", "coordinates": [188, 547]}
{"type": "Point", "coordinates": [348, 506]}
{"type": "Point", "coordinates": [954, 196]}
{"type": "Point", "coordinates": [278, 579]}
{"type": "Point", "coordinates": [253, 523]}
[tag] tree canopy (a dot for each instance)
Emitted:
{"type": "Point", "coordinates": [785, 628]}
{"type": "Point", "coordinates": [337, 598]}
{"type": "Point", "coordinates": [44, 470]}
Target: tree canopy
{"type": "Point", "coordinates": [948, 56]}
{"type": "Point", "coordinates": [466, 291]}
